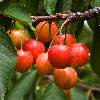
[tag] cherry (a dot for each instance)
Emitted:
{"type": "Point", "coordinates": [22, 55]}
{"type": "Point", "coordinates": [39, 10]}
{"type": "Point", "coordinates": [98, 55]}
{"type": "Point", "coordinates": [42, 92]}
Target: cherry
{"type": "Point", "coordinates": [42, 31]}
{"type": "Point", "coordinates": [65, 78]}
{"type": "Point", "coordinates": [43, 65]}
{"type": "Point", "coordinates": [59, 39]}
{"type": "Point", "coordinates": [80, 55]}
{"type": "Point", "coordinates": [59, 55]}
{"type": "Point", "coordinates": [24, 61]}
{"type": "Point", "coordinates": [17, 36]}
{"type": "Point", "coordinates": [35, 47]}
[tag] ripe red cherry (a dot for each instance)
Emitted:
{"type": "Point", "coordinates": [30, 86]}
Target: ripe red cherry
{"type": "Point", "coordinates": [42, 31]}
{"type": "Point", "coordinates": [59, 55]}
{"type": "Point", "coordinates": [59, 39]}
{"type": "Point", "coordinates": [24, 61]}
{"type": "Point", "coordinates": [65, 78]}
{"type": "Point", "coordinates": [80, 55]}
{"type": "Point", "coordinates": [35, 47]}
{"type": "Point", "coordinates": [43, 65]}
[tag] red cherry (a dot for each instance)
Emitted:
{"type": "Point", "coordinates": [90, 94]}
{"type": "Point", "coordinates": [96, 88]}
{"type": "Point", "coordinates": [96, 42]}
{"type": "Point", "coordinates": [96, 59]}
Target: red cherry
{"type": "Point", "coordinates": [65, 78]}
{"type": "Point", "coordinates": [24, 60]}
{"type": "Point", "coordinates": [59, 39]}
{"type": "Point", "coordinates": [43, 65]}
{"type": "Point", "coordinates": [35, 47]}
{"type": "Point", "coordinates": [80, 55]}
{"type": "Point", "coordinates": [42, 31]}
{"type": "Point", "coordinates": [59, 55]}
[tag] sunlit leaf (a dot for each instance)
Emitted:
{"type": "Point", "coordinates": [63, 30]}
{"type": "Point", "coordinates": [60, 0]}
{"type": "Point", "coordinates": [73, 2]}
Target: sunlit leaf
{"type": "Point", "coordinates": [49, 6]}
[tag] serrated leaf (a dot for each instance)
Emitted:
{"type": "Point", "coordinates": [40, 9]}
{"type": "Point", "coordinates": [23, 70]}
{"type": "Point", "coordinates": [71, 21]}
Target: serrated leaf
{"type": "Point", "coordinates": [77, 93]}
{"type": "Point", "coordinates": [7, 61]}
{"type": "Point", "coordinates": [22, 87]}
{"type": "Point", "coordinates": [49, 6]}
{"type": "Point", "coordinates": [53, 92]}
{"type": "Point", "coordinates": [17, 12]}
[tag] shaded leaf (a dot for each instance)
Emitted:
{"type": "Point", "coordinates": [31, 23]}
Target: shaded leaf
{"type": "Point", "coordinates": [75, 28]}
{"type": "Point", "coordinates": [63, 5]}
{"type": "Point", "coordinates": [95, 52]}
{"type": "Point", "coordinates": [7, 61]}
{"type": "Point", "coordinates": [30, 5]}
{"type": "Point", "coordinates": [49, 6]}
{"type": "Point", "coordinates": [5, 22]}
{"type": "Point", "coordinates": [22, 87]}
{"type": "Point", "coordinates": [53, 93]}
{"type": "Point", "coordinates": [77, 5]}
{"type": "Point", "coordinates": [41, 10]}
{"type": "Point", "coordinates": [80, 25]}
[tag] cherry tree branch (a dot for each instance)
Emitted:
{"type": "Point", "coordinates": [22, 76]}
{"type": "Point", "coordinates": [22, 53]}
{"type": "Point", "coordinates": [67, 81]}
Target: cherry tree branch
{"type": "Point", "coordinates": [87, 87]}
{"type": "Point", "coordinates": [69, 15]}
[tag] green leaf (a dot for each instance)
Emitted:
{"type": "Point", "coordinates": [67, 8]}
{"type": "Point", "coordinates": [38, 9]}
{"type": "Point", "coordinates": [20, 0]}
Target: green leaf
{"type": "Point", "coordinates": [77, 5]}
{"type": "Point", "coordinates": [22, 87]}
{"type": "Point", "coordinates": [97, 3]}
{"type": "Point", "coordinates": [75, 28]}
{"type": "Point", "coordinates": [95, 52]}
{"type": "Point", "coordinates": [86, 35]}
{"type": "Point", "coordinates": [63, 5]}
{"type": "Point", "coordinates": [77, 93]}
{"type": "Point", "coordinates": [49, 6]}
{"type": "Point", "coordinates": [7, 61]}
{"type": "Point", "coordinates": [17, 12]}
{"type": "Point", "coordinates": [53, 92]}
{"type": "Point", "coordinates": [30, 5]}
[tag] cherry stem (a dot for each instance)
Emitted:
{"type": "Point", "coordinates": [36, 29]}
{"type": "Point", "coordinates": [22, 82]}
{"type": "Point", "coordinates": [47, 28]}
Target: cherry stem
{"type": "Point", "coordinates": [12, 22]}
{"type": "Point", "coordinates": [65, 22]}
{"type": "Point", "coordinates": [40, 29]}
{"type": "Point", "coordinates": [21, 45]}
{"type": "Point", "coordinates": [36, 37]}
{"type": "Point", "coordinates": [89, 92]}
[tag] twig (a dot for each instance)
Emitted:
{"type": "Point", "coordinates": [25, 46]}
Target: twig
{"type": "Point", "coordinates": [87, 87]}
{"type": "Point", "coordinates": [71, 16]}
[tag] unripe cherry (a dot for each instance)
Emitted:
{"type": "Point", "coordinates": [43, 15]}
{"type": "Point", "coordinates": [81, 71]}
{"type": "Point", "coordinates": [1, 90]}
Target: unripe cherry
{"type": "Point", "coordinates": [17, 37]}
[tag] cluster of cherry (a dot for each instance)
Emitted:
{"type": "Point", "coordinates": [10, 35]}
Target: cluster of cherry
{"type": "Point", "coordinates": [59, 60]}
